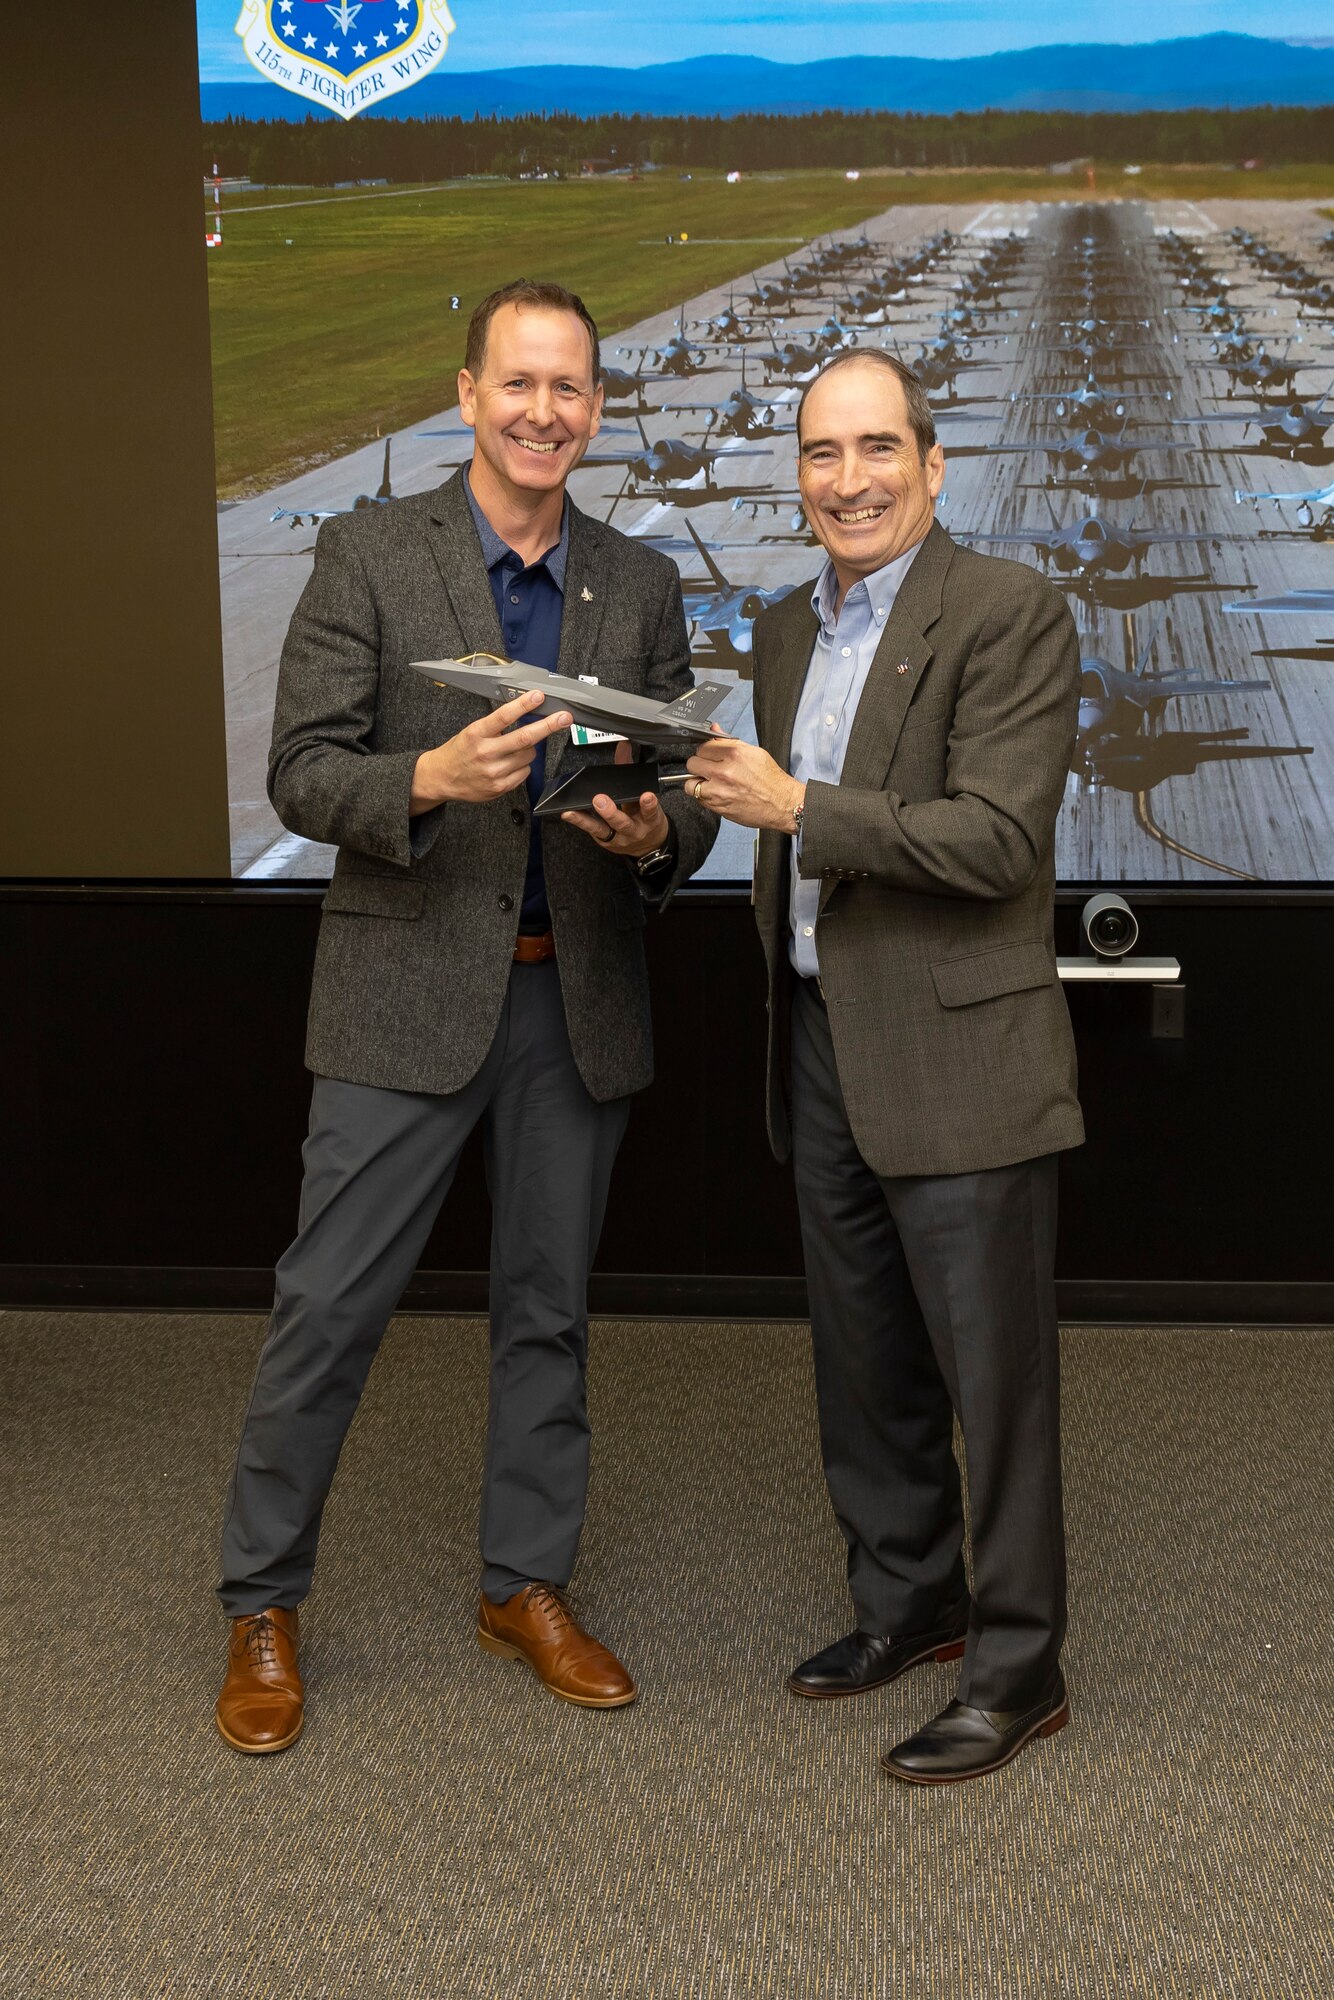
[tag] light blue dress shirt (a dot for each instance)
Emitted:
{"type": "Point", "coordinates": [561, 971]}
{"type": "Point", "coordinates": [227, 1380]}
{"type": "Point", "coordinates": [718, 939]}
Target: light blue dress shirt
{"type": "Point", "coordinates": [844, 648]}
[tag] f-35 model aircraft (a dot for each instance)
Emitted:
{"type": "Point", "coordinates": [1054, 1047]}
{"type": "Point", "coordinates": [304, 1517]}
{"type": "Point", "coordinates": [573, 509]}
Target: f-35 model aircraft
{"type": "Point", "coordinates": [1313, 509]}
{"type": "Point", "coordinates": [311, 516]}
{"type": "Point", "coordinates": [667, 725]}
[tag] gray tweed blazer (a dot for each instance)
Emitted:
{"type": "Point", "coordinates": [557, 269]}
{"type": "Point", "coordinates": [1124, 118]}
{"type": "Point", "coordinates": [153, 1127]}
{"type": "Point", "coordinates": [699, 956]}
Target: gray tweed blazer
{"type": "Point", "coordinates": [935, 855]}
{"type": "Point", "coordinates": [417, 935]}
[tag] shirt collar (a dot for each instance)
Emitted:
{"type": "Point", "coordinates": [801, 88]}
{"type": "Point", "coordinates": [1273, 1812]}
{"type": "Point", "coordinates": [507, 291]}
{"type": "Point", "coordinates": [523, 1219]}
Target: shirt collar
{"type": "Point", "coordinates": [881, 588]}
{"type": "Point", "coordinates": [495, 548]}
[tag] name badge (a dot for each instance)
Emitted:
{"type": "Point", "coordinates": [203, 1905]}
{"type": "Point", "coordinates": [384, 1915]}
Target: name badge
{"type": "Point", "coordinates": [584, 738]}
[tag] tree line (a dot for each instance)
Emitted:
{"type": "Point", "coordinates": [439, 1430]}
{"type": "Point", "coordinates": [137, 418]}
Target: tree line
{"type": "Point", "coordinates": [320, 151]}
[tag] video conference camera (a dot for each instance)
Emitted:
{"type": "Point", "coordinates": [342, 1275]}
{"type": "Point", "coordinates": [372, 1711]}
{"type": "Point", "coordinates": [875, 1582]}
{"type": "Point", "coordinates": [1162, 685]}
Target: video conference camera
{"type": "Point", "coordinates": [1109, 926]}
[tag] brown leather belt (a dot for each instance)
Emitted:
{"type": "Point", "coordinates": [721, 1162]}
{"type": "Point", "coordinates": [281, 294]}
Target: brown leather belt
{"type": "Point", "coordinates": [535, 950]}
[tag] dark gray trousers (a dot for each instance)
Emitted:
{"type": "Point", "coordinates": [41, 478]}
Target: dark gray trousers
{"type": "Point", "coordinates": [931, 1296]}
{"type": "Point", "coordinates": [378, 1164]}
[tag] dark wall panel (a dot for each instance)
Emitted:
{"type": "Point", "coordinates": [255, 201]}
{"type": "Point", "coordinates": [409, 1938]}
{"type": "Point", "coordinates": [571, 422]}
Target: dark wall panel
{"type": "Point", "coordinates": [153, 1102]}
{"type": "Point", "coordinates": [112, 741]}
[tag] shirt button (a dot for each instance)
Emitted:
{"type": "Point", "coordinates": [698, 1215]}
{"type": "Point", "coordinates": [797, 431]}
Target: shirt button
{"type": "Point", "coordinates": [829, 722]}
{"type": "Point", "coordinates": [505, 902]}
{"type": "Point", "coordinates": [847, 652]}
{"type": "Point", "coordinates": [809, 931]}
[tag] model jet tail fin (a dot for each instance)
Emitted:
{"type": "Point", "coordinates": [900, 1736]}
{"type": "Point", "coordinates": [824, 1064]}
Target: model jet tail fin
{"type": "Point", "coordinates": [698, 703]}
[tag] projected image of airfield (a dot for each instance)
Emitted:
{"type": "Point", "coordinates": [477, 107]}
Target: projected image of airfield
{"type": "Point", "coordinates": [1131, 397]}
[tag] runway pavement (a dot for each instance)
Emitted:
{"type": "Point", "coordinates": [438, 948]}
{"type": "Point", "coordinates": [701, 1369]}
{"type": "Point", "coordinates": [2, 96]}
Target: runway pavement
{"type": "Point", "coordinates": [1215, 787]}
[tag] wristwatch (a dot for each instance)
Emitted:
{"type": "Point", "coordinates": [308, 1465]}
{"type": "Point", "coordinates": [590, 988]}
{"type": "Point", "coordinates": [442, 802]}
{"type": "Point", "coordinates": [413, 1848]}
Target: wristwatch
{"type": "Point", "coordinates": [646, 863]}
{"type": "Point", "coordinates": [798, 815]}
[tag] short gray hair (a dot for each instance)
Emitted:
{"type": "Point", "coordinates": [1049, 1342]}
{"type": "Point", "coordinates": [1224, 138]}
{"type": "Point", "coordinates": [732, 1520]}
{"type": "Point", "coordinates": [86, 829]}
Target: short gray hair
{"type": "Point", "coordinates": [920, 418]}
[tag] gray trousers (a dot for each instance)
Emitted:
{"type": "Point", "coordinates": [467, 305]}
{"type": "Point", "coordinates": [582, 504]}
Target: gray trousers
{"type": "Point", "coordinates": [378, 1164]}
{"type": "Point", "coordinates": [932, 1296]}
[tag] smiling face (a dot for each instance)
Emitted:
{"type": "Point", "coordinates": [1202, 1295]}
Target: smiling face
{"type": "Point", "coordinates": [868, 494]}
{"type": "Point", "coordinates": [532, 407]}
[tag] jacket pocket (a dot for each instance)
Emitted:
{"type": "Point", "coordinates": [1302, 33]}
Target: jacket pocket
{"type": "Point", "coordinates": [984, 975]}
{"type": "Point", "coordinates": [930, 711]}
{"type": "Point", "coordinates": [374, 896]}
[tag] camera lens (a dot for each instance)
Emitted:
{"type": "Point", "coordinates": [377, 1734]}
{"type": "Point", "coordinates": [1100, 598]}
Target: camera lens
{"type": "Point", "coordinates": [1112, 930]}
{"type": "Point", "coordinates": [1109, 925]}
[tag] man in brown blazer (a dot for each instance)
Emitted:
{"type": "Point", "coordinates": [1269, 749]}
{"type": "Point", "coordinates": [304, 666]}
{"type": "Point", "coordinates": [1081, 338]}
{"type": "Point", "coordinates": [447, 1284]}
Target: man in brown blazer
{"type": "Point", "coordinates": [915, 714]}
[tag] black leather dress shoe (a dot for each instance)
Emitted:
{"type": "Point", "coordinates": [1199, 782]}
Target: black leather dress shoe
{"type": "Point", "coordinates": [862, 1661]}
{"type": "Point", "coordinates": [966, 1742]}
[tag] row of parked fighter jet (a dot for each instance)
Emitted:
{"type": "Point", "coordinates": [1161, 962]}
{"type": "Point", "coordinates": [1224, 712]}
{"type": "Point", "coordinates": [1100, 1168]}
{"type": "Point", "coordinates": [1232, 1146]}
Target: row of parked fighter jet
{"type": "Point", "coordinates": [1089, 332]}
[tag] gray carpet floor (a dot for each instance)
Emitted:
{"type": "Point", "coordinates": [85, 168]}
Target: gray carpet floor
{"type": "Point", "coordinates": [447, 1828]}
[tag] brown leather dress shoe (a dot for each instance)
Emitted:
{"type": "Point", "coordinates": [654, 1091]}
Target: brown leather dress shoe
{"type": "Point", "coordinates": [260, 1707]}
{"type": "Point", "coordinates": [537, 1625]}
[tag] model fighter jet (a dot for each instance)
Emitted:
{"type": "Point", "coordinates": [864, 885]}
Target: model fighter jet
{"type": "Point", "coordinates": [665, 725]}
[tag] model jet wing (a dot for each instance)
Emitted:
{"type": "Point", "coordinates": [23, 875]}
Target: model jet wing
{"type": "Point", "coordinates": [666, 724]}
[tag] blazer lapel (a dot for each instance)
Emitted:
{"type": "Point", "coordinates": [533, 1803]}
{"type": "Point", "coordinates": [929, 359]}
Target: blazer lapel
{"type": "Point", "coordinates": [784, 676]}
{"type": "Point", "coordinates": [581, 620]}
{"type": "Point", "coordinates": [788, 674]}
{"type": "Point", "coordinates": [900, 660]}
{"type": "Point", "coordinates": [452, 534]}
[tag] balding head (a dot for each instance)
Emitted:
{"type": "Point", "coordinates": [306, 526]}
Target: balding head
{"type": "Point", "coordinates": [914, 395]}
{"type": "Point", "coordinates": [869, 475]}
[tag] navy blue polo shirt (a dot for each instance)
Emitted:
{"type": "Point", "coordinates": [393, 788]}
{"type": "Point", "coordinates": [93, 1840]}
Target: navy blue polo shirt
{"type": "Point", "coordinates": [530, 603]}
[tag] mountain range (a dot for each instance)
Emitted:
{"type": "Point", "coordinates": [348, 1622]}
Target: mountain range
{"type": "Point", "coordinates": [1208, 71]}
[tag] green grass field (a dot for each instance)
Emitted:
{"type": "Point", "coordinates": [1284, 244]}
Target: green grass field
{"type": "Point", "coordinates": [330, 313]}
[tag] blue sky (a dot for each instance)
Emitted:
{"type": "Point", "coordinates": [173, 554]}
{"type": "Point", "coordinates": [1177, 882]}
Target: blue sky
{"type": "Point", "coordinates": [497, 34]}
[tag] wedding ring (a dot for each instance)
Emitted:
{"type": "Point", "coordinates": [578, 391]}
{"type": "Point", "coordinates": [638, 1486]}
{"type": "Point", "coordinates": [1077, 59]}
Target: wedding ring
{"type": "Point", "coordinates": [699, 787]}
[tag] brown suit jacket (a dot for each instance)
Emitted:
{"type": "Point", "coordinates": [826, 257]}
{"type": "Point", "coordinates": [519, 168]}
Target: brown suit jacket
{"type": "Point", "coordinates": [935, 854]}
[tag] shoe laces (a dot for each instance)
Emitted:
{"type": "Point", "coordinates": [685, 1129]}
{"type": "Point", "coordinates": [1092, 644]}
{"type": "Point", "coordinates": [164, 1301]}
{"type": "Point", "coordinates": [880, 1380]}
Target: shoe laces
{"type": "Point", "coordinates": [260, 1639]}
{"type": "Point", "coordinates": [543, 1597]}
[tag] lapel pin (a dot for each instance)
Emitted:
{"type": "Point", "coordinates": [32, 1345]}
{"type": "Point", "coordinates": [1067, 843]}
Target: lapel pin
{"type": "Point", "coordinates": [586, 595]}
{"type": "Point", "coordinates": [905, 666]}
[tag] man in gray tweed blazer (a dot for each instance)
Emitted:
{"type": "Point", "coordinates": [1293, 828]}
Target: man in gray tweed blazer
{"type": "Point", "coordinates": [474, 965]}
{"type": "Point", "coordinates": [915, 713]}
